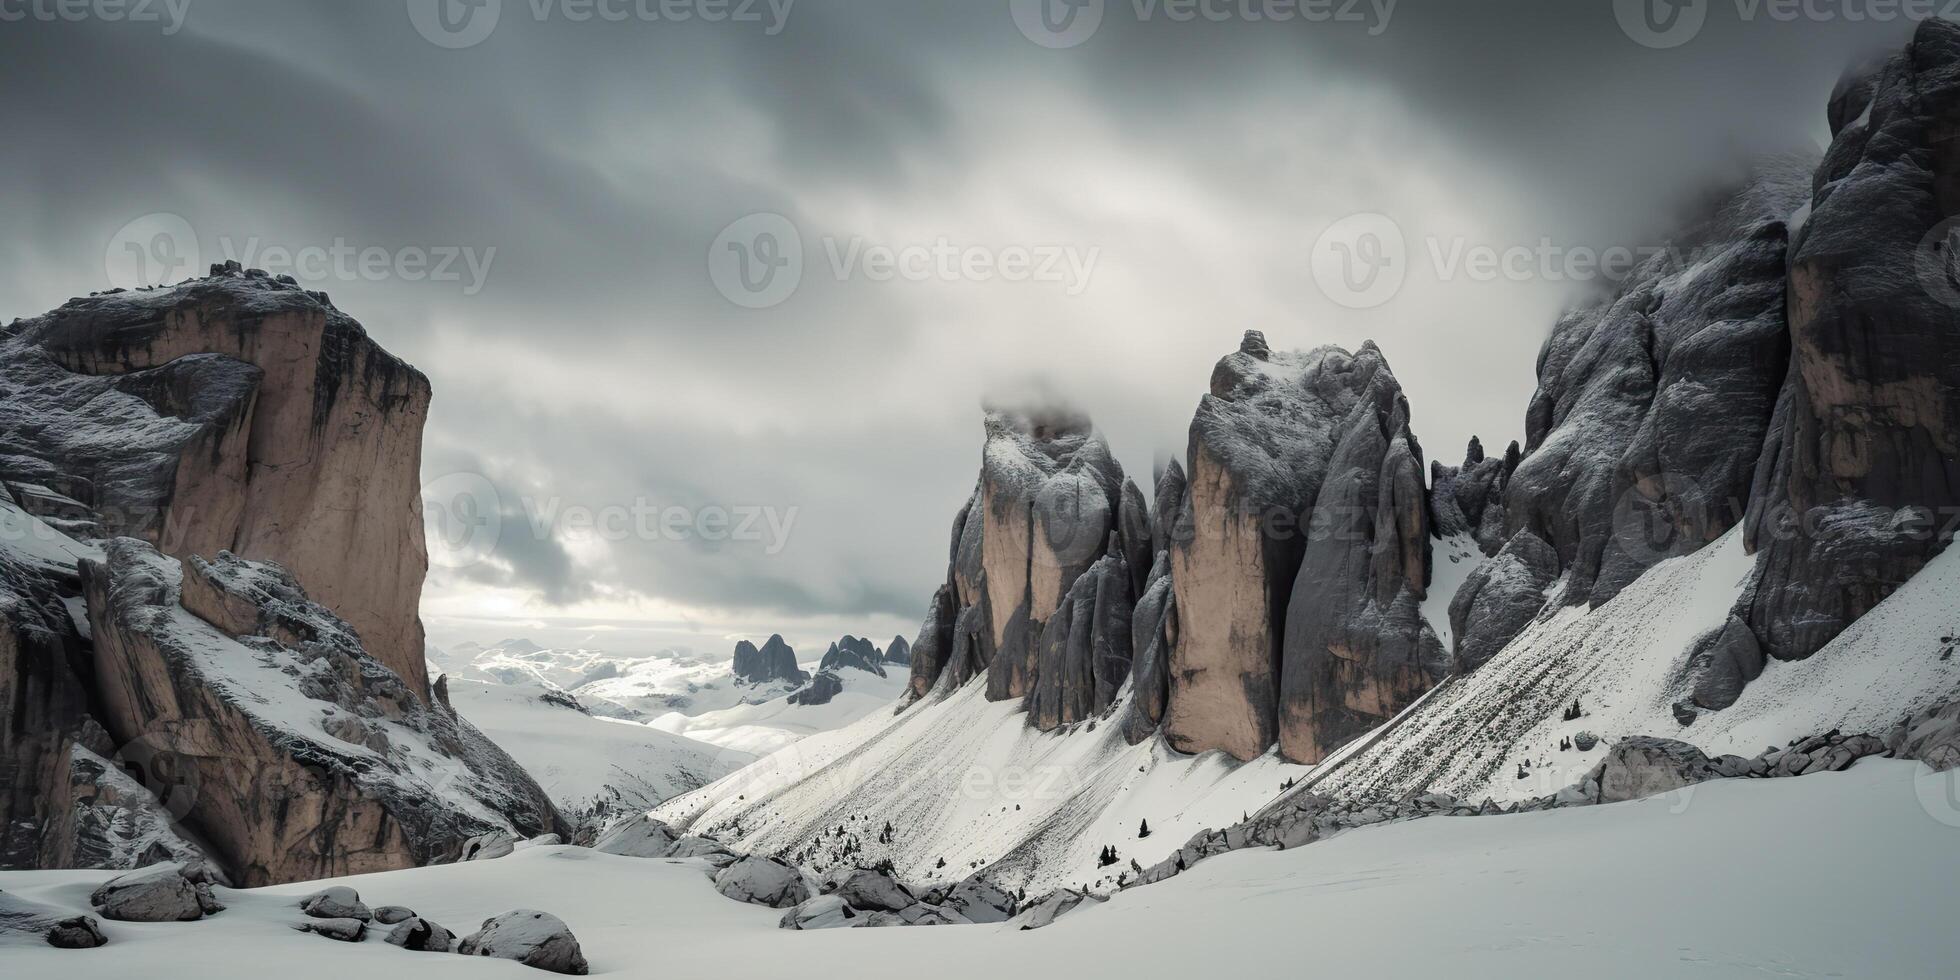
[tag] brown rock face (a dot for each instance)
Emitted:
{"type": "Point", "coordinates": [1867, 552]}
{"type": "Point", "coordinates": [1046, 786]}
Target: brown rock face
{"type": "Point", "coordinates": [318, 469]}
{"type": "Point", "coordinates": [302, 757]}
{"type": "Point", "coordinates": [1261, 442]}
{"type": "Point", "coordinates": [43, 701]}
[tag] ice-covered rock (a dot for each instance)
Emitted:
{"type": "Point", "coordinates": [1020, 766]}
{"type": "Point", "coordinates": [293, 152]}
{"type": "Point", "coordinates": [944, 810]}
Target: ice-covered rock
{"type": "Point", "coordinates": [536, 939]}
{"type": "Point", "coordinates": [823, 686]}
{"type": "Point", "coordinates": [978, 900]}
{"type": "Point", "coordinates": [763, 881]}
{"type": "Point", "coordinates": [339, 930]}
{"type": "Point", "coordinates": [1045, 910]}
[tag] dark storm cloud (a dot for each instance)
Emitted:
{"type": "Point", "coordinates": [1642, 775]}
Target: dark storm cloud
{"type": "Point", "coordinates": [594, 163]}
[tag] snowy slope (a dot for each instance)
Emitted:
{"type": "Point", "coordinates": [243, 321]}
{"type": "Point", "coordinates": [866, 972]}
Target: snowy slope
{"type": "Point", "coordinates": [1621, 663]}
{"type": "Point", "coordinates": [761, 728]}
{"type": "Point", "coordinates": [1452, 559]}
{"type": "Point", "coordinates": [578, 758]}
{"type": "Point", "coordinates": [966, 780]}
{"type": "Point", "coordinates": [1564, 893]}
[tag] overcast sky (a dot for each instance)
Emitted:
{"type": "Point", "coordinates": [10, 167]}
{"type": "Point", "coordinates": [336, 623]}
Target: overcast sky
{"type": "Point", "coordinates": [1091, 209]}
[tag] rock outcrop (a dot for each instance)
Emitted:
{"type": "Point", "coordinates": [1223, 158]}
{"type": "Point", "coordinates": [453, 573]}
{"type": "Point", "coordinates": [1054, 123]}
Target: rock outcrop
{"type": "Point", "coordinates": [270, 426]}
{"type": "Point", "coordinates": [1262, 444]}
{"type": "Point", "coordinates": [855, 652]}
{"type": "Point", "coordinates": [1045, 510]}
{"type": "Point", "coordinates": [822, 687]}
{"type": "Point", "coordinates": [538, 940]}
{"type": "Point", "coordinates": [1357, 649]}
{"type": "Point", "coordinates": [1642, 436]}
{"type": "Point", "coordinates": [899, 652]}
{"type": "Point", "coordinates": [1500, 598]}
{"type": "Point", "coordinates": [1862, 465]}
{"type": "Point", "coordinates": [306, 757]}
{"type": "Point", "coordinates": [774, 662]}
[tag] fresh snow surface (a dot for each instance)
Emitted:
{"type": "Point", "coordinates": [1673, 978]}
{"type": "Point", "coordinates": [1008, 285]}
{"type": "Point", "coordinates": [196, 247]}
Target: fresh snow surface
{"type": "Point", "coordinates": [1452, 559]}
{"type": "Point", "coordinates": [1624, 663]}
{"type": "Point", "coordinates": [759, 729]}
{"type": "Point", "coordinates": [636, 688]}
{"type": "Point", "coordinates": [1740, 879]}
{"type": "Point", "coordinates": [965, 779]}
{"type": "Point", "coordinates": [578, 758]}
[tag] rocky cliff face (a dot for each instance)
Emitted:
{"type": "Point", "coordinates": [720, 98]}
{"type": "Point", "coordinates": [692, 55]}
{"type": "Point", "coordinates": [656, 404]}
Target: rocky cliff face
{"type": "Point", "coordinates": [1263, 451]}
{"type": "Point", "coordinates": [853, 651]}
{"type": "Point", "coordinates": [1860, 472]}
{"type": "Point", "coordinates": [304, 756]}
{"type": "Point", "coordinates": [296, 438]}
{"type": "Point", "coordinates": [165, 430]}
{"type": "Point", "coordinates": [773, 661]}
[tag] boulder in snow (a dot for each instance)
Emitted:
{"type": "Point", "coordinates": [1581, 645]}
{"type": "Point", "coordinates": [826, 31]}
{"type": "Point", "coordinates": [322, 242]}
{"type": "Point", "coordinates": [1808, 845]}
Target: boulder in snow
{"type": "Point", "coordinates": [419, 935]}
{"type": "Point", "coordinates": [158, 893]}
{"type": "Point", "coordinates": [821, 912]}
{"type": "Point", "coordinates": [762, 881]}
{"type": "Point", "coordinates": [535, 939]}
{"type": "Point", "coordinates": [637, 836]}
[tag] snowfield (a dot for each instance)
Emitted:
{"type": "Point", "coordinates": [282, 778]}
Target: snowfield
{"type": "Point", "coordinates": [761, 728]}
{"type": "Point", "coordinates": [1834, 875]}
{"type": "Point", "coordinates": [579, 758]}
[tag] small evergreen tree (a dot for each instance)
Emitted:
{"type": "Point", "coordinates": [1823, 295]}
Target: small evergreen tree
{"type": "Point", "coordinates": [1143, 830]}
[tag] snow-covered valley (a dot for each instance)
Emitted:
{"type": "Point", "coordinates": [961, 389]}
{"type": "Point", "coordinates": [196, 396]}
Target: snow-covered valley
{"type": "Point", "coordinates": [1628, 890]}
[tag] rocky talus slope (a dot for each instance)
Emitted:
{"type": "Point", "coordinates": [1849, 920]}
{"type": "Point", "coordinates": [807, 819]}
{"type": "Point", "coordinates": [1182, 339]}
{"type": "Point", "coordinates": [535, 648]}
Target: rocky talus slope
{"type": "Point", "coordinates": [209, 583]}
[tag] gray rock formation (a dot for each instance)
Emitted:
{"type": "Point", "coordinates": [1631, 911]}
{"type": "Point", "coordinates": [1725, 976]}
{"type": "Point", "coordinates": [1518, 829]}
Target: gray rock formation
{"type": "Point", "coordinates": [1153, 631]}
{"type": "Point", "coordinates": [1500, 598]}
{"type": "Point", "coordinates": [1931, 736]}
{"type": "Point", "coordinates": [1722, 662]}
{"type": "Point", "coordinates": [1356, 648]}
{"type": "Point", "coordinates": [763, 881]}
{"type": "Point", "coordinates": [935, 644]}
{"type": "Point", "coordinates": [1084, 654]}
{"type": "Point", "coordinates": [419, 935]}
{"type": "Point", "coordinates": [774, 661]}
{"type": "Point", "coordinates": [873, 890]}
{"type": "Point", "coordinates": [822, 687]}
{"type": "Point", "coordinates": [1863, 460]}
{"type": "Point", "coordinates": [159, 893]}
{"type": "Point", "coordinates": [1468, 499]}
{"type": "Point", "coordinates": [637, 836]}
{"type": "Point", "coordinates": [25, 921]}
{"type": "Point", "coordinates": [538, 940]}
{"type": "Point", "coordinates": [899, 652]}
{"type": "Point", "coordinates": [1642, 435]}
{"type": "Point", "coordinates": [855, 652]}
{"type": "Point", "coordinates": [978, 900]}
{"type": "Point", "coordinates": [821, 912]}
{"type": "Point", "coordinates": [1262, 443]}
{"type": "Point", "coordinates": [338, 902]}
